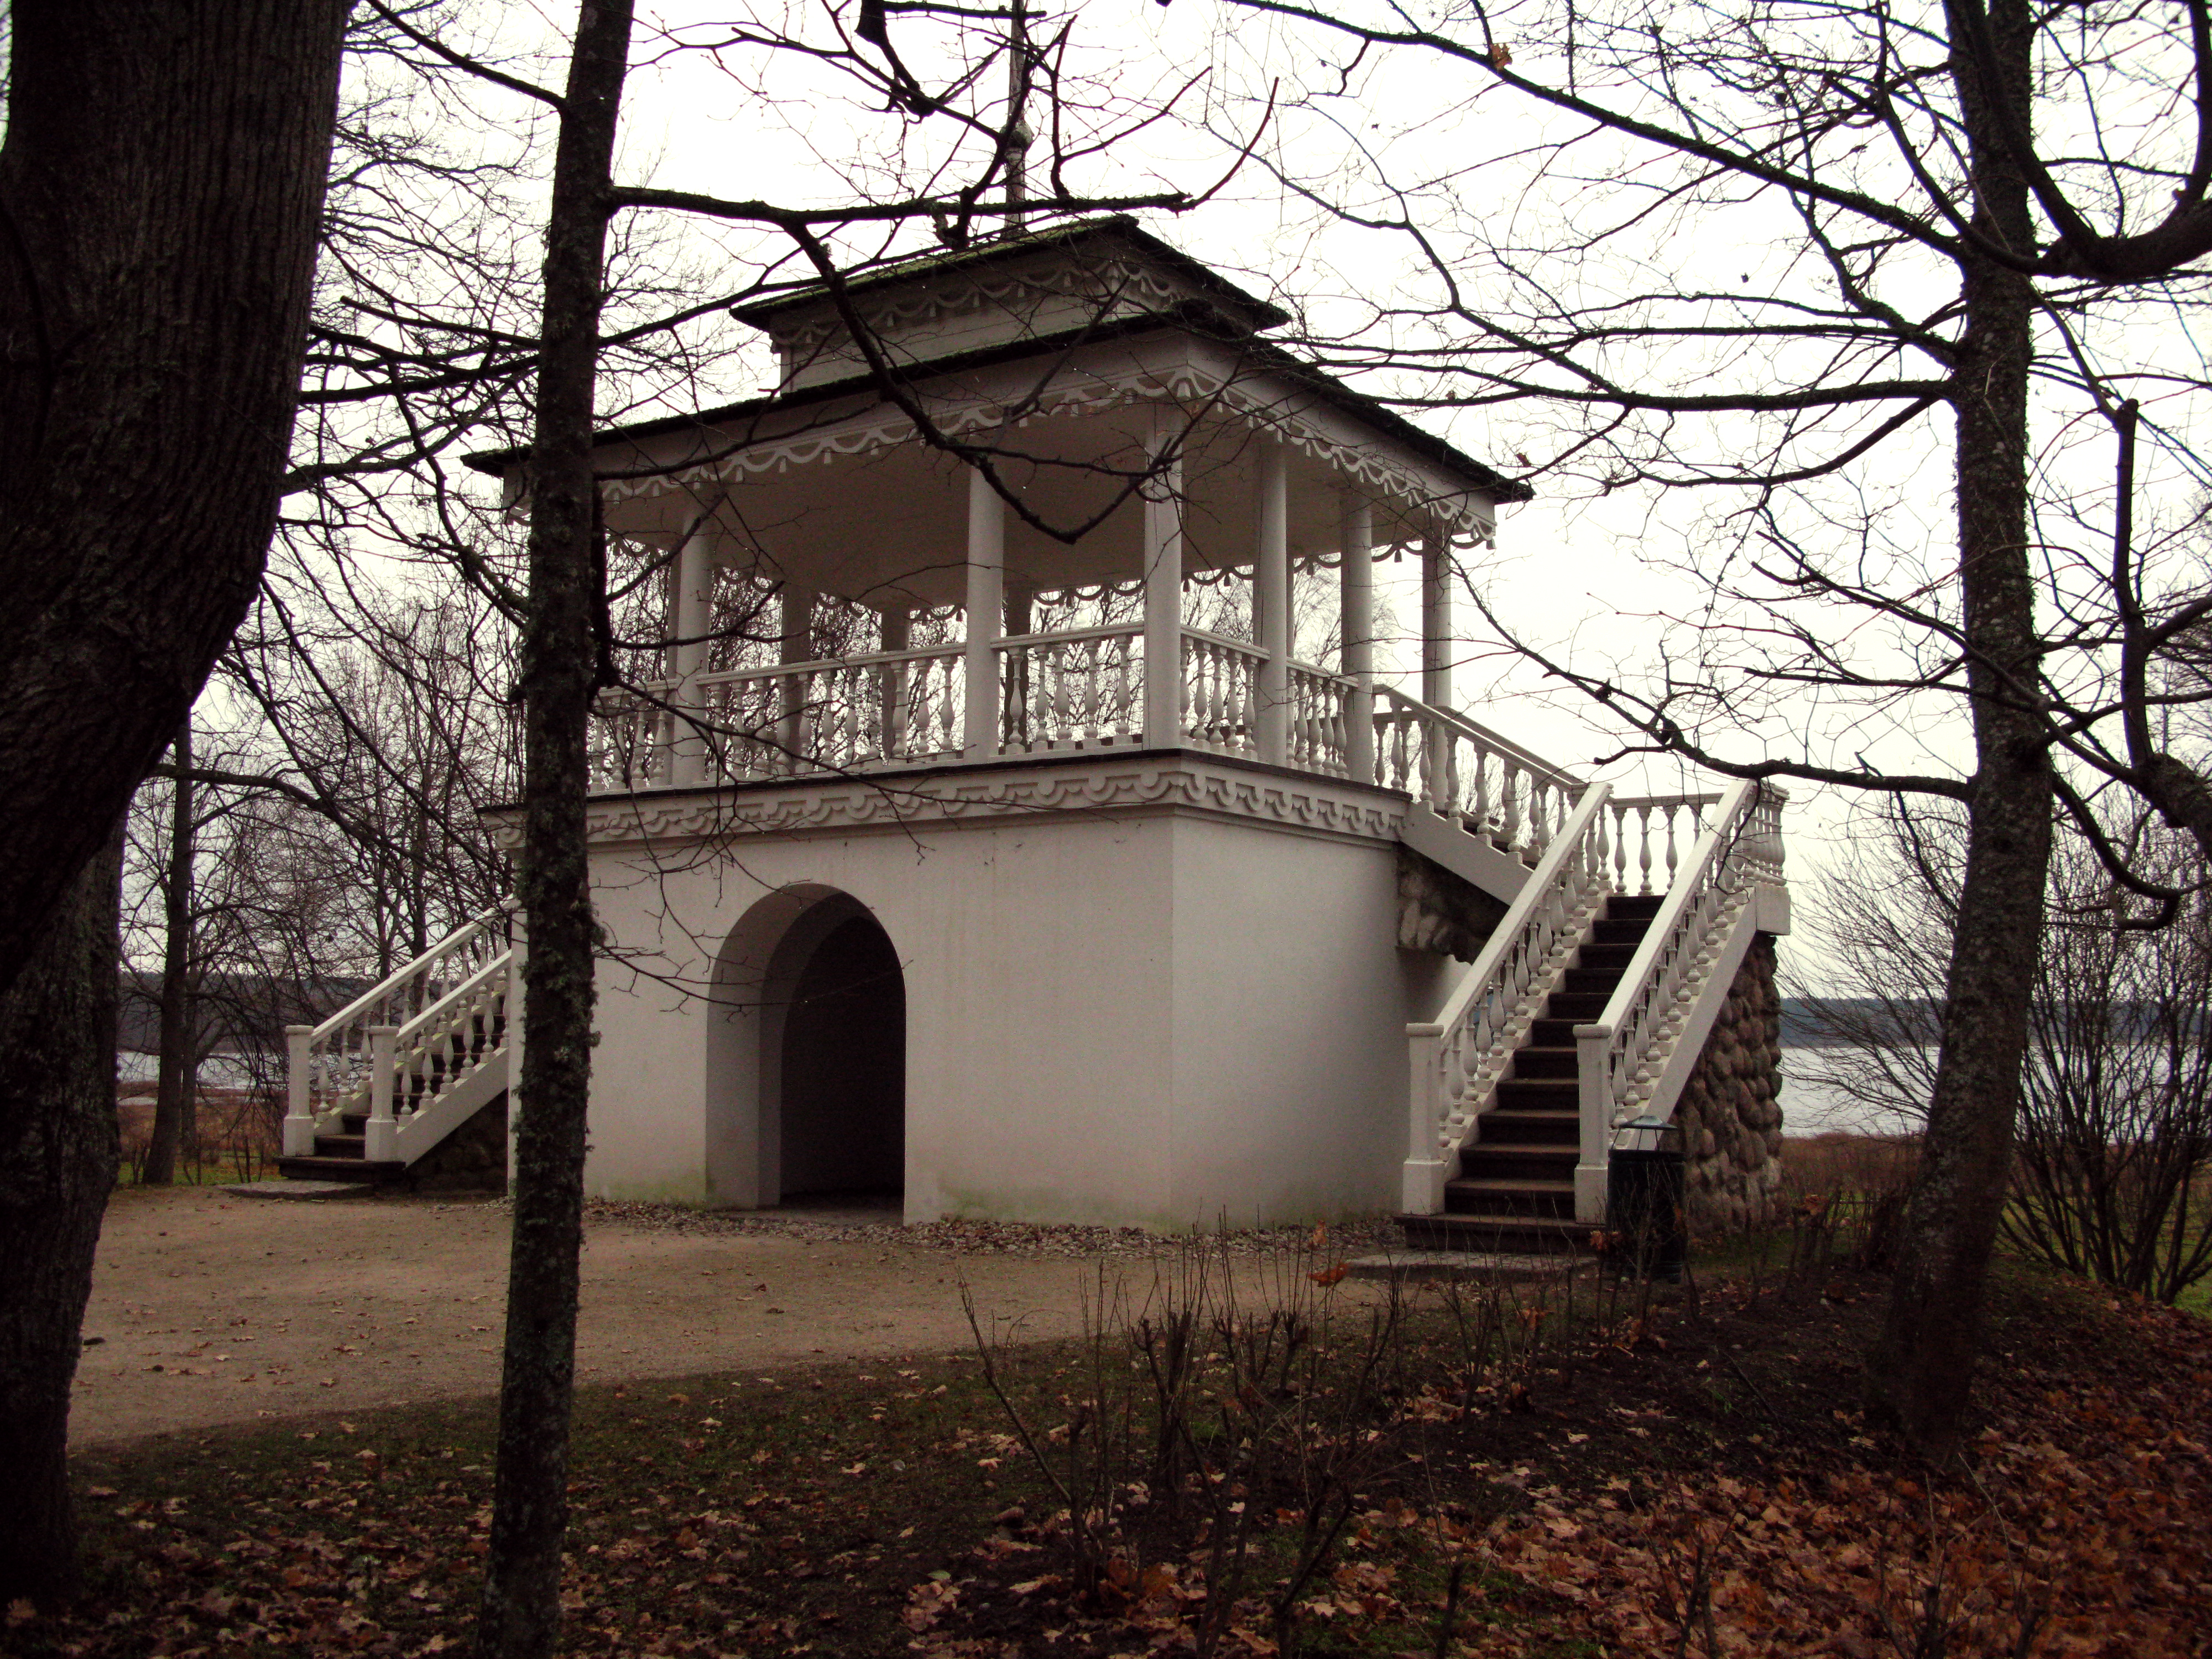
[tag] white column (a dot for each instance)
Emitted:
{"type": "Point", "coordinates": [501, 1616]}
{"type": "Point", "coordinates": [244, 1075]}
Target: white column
{"type": "Point", "coordinates": [690, 613]}
{"type": "Point", "coordinates": [897, 632]}
{"type": "Point", "coordinates": [1440, 746]}
{"type": "Point", "coordinates": [1435, 620]}
{"type": "Point", "coordinates": [987, 579]}
{"type": "Point", "coordinates": [1356, 631]}
{"type": "Point", "coordinates": [795, 644]}
{"type": "Point", "coordinates": [1162, 555]}
{"type": "Point", "coordinates": [1271, 601]}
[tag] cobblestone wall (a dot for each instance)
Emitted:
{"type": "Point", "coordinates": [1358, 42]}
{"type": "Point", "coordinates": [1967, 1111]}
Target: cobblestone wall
{"type": "Point", "coordinates": [1731, 1108]}
{"type": "Point", "coordinates": [471, 1159]}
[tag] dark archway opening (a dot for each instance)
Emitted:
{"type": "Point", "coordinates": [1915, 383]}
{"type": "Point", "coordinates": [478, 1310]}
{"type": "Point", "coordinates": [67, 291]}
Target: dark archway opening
{"type": "Point", "coordinates": [844, 1068]}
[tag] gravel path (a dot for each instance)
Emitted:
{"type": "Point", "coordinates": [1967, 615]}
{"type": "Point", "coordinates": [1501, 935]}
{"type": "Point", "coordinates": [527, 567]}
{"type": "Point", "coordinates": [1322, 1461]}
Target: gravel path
{"type": "Point", "coordinates": [210, 1308]}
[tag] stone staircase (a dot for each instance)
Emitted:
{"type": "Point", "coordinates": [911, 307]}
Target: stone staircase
{"type": "Point", "coordinates": [342, 1154]}
{"type": "Point", "coordinates": [392, 1078]}
{"type": "Point", "coordinates": [1515, 1190]}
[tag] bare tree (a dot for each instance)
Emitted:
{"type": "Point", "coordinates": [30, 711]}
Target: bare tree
{"type": "Point", "coordinates": [1763, 253]}
{"type": "Point", "coordinates": [2114, 1139]}
{"type": "Point", "coordinates": [176, 1096]}
{"type": "Point", "coordinates": [160, 182]}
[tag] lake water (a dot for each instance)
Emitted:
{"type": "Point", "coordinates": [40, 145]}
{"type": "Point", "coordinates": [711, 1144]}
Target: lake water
{"type": "Point", "coordinates": [1810, 1108]}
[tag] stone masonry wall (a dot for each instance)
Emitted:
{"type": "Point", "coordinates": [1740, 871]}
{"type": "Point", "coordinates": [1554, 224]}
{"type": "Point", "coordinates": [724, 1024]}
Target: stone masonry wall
{"type": "Point", "coordinates": [471, 1159]}
{"type": "Point", "coordinates": [1731, 1108]}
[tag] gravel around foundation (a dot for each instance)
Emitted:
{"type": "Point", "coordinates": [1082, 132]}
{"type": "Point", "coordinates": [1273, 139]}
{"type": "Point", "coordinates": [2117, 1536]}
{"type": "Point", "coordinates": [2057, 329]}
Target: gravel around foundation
{"type": "Point", "coordinates": [972, 1237]}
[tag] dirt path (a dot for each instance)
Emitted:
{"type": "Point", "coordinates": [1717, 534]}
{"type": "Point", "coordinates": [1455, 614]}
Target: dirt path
{"type": "Point", "coordinates": [211, 1308]}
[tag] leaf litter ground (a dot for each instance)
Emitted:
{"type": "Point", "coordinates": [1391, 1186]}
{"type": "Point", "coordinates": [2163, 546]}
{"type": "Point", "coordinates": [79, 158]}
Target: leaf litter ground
{"type": "Point", "coordinates": [1688, 1475]}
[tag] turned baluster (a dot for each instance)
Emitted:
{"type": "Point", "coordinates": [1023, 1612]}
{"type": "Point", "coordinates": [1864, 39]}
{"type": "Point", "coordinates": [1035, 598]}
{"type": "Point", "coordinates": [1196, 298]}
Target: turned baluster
{"type": "Point", "coordinates": [1236, 708]}
{"type": "Point", "coordinates": [949, 718]}
{"type": "Point", "coordinates": [1086, 697]}
{"type": "Point", "coordinates": [1541, 797]}
{"type": "Point", "coordinates": [856, 748]}
{"type": "Point", "coordinates": [1509, 777]}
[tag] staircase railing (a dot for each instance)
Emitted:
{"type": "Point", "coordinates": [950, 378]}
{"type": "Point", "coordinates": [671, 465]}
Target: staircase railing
{"type": "Point", "coordinates": [1464, 771]}
{"type": "Point", "coordinates": [362, 1058]}
{"type": "Point", "coordinates": [1458, 1058]}
{"type": "Point", "coordinates": [1618, 1054]}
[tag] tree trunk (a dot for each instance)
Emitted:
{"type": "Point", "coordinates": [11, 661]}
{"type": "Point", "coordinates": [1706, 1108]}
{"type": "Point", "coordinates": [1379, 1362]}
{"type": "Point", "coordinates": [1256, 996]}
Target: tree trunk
{"type": "Point", "coordinates": [177, 1046]}
{"type": "Point", "coordinates": [57, 1162]}
{"type": "Point", "coordinates": [1922, 1366]}
{"type": "Point", "coordinates": [530, 1509]}
{"type": "Point", "coordinates": [161, 184]}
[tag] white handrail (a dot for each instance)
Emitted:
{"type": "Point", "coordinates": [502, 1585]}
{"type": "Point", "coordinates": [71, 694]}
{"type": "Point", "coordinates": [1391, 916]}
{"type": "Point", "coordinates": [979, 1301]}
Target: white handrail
{"type": "Point", "coordinates": [821, 664]}
{"type": "Point", "coordinates": [1072, 637]}
{"type": "Point", "coordinates": [463, 934]}
{"type": "Point", "coordinates": [1477, 732]}
{"type": "Point", "coordinates": [468, 987]}
{"type": "Point", "coordinates": [1458, 1056]}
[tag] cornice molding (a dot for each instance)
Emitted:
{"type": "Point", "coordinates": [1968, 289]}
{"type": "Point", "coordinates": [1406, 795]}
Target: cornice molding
{"type": "Point", "coordinates": [993, 796]}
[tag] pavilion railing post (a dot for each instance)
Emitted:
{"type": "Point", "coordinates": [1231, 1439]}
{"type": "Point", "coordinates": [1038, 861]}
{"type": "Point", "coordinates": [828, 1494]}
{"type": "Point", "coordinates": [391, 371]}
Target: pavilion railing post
{"type": "Point", "coordinates": [299, 1100]}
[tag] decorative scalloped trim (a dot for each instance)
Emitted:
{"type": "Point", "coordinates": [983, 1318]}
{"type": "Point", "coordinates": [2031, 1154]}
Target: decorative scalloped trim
{"type": "Point", "coordinates": [1185, 385]}
{"type": "Point", "coordinates": [847, 803]}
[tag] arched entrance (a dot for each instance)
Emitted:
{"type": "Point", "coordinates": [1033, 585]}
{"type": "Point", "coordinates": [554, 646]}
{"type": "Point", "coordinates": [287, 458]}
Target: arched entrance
{"type": "Point", "coordinates": [807, 1054]}
{"type": "Point", "coordinates": [843, 1105]}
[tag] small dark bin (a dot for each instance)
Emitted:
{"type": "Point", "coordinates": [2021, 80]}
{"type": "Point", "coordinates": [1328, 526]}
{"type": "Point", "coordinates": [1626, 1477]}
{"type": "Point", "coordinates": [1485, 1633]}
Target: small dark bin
{"type": "Point", "coordinates": [1644, 1198]}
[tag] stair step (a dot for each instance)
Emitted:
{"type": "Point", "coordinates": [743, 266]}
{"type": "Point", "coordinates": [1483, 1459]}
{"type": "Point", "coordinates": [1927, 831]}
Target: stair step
{"type": "Point", "coordinates": [342, 1146]}
{"type": "Point", "coordinates": [1576, 1007]}
{"type": "Point", "coordinates": [1509, 1128]}
{"type": "Point", "coordinates": [339, 1169]}
{"type": "Point", "coordinates": [1540, 1094]}
{"type": "Point", "coordinates": [1506, 1200]}
{"type": "Point", "coordinates": [1499, 1235]}
{"type": "Point", "coordinates": [1518, 1165]}
{"type": "Point", "coordinates": [1611, 958]}
{"type": "Point", "coordinates": [1553, 1034]}
{"type": "Point", "coordinates": [1584, 982]}
{"type": "Point", "coordinates": [1620, 930]}
{"type": "Point", "coordinates": [1538, 1061]}
{"type": "Point", "coordinates": [1641, 906]}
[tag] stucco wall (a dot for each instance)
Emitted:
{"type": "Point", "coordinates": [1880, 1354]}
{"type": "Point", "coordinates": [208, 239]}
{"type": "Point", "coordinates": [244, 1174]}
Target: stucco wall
{"type": "Point", "coordinates": [1155, 1017]}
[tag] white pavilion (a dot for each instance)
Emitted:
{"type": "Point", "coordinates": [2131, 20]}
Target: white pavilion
{"type": "Point", "coordinates": [1018, 823]}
